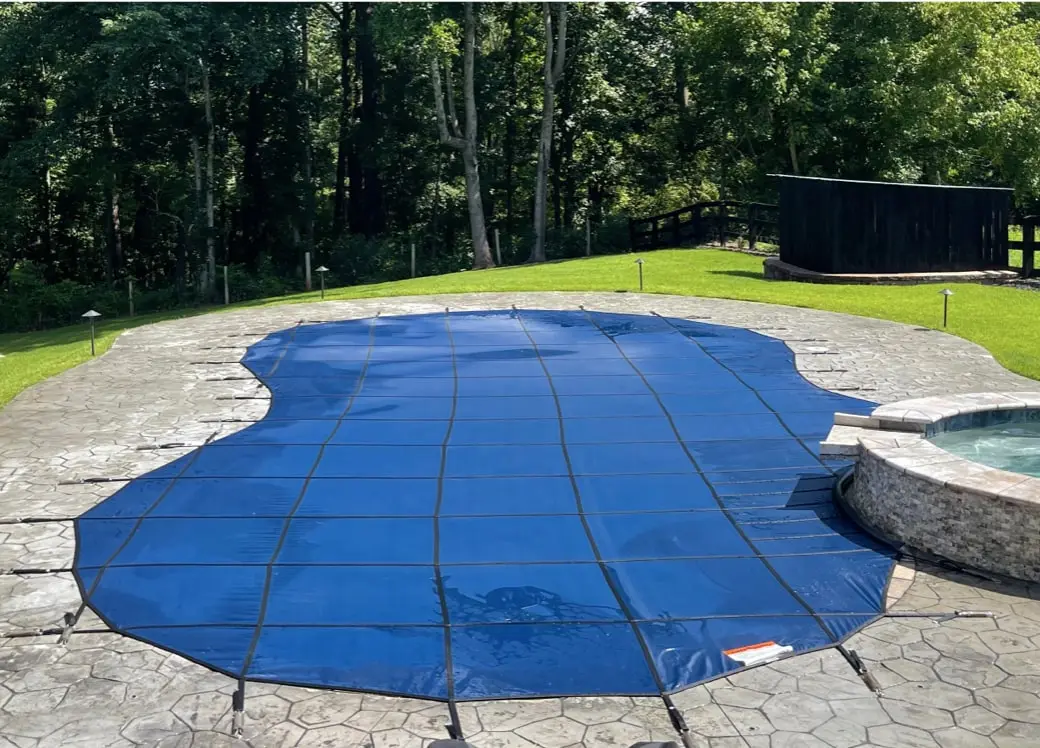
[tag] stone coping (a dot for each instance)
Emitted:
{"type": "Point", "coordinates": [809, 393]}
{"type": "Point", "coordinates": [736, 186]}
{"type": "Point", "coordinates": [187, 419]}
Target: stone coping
{"type": "Point", "coordinates": [896, 433]}
{"type": "Point", "coordinates": [776, 269]}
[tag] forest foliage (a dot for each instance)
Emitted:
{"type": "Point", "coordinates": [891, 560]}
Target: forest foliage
{"type": "Point", "coordinates": [157, 142]}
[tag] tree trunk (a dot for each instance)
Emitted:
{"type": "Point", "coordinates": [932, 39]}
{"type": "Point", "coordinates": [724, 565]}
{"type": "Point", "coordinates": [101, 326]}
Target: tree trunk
{"type": "Point", "coordinates": [510, 144]}
{"type": "Point", "coordinates": [357, 220]}
{"type": "Point", "coordinates": [197, 217]}
{"type": "Point", "coordinates": [46, 216]}
{"type": "Point", "coordinates": [556, 172]}
{"type": "Point", "coordinates": [435, 208]}
{"type": "Point", "coordinates": [339, 204]}
{"type": "Point", "coordinates": [113, 237]}
{"type": "Point", "coordinates": [308, 155]}
{"type": "Point", "coordinates": [211, 252]}
{"type": "Point", "coordinates": [567, 151]}
{"type": "Point", "coordinates": [478, 233]}
{"type": "Point", "coordinates": [371, 198]}
{"type": "Point", "coordinates": [566, 156]}
{"type": "Point", "coordinates": [141, 233]}
{"type": "Point", "coordinates": [553, 73]}
{"type": "Point", "coordinates": [183, 237]}
{"type": "Point", "coordinates": [595, 203]}
{"type": "Point", "coordinates": [682, 91]}
{"type": "Point", "coordinates": [254, 204]}
{"type": "Point", "coordinates": [792, 149]}
{"type": "Point", "coordinates": [466, 143]}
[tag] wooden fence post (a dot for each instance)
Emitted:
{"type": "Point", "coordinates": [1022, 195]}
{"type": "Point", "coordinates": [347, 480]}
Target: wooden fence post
{"type": "Point", "coordinates": [588, 236]}
{"type": "Point", "coordinates": [227, 294]}
{"type": "Point", "coordinates": [752, 229]}
{"type": "Point", "coordinates": [631, 234]}
{"type": "Point", "coordinates": [1029, 245]}
{"type": "Point", "coordinates": [695, 220]}
{"type": "Point", "coordinates": [676, 238]}
{"type": "Point", "coordinates": [723, 221]}
{"type": "Point", "coordinates": [653, 234]}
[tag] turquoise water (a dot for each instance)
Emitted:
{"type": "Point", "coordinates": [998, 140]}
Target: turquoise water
{"type": "Point", "coordinates": [1010, 446]}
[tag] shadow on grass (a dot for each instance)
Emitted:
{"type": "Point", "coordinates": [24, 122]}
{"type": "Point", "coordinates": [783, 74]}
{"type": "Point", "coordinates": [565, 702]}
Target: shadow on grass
{"type": "Point", "coordinates": [740, 274]}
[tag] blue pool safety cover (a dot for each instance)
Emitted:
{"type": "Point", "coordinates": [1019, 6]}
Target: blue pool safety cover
{"type": "Point", "coordinates": [488, 505]}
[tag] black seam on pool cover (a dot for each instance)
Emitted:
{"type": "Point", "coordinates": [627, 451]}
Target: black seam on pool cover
{"type": "Point", "coordinates": [622, 603]}
{"type": "Point", "coordinates": [826, 473]}
{"type": "Point", "coordinates": [449, 666]}
{"type": "Point", "coordinates": [247, 661]}
{"type": "Point", "coordinates": [194, 455]}
{"type": "Point", "coordinates": [806, 506]}
{"type": "Point", "coordinates": [506, 395]}
{"type": "Point", "coordinates": [480, 624]}
{"type": "Point", "coordinates": [316, 442]}
{"type": "Point", "coordinates": [464, 564]}
{"type": "Point", "coordinates": [693, 461]}
{"type": "Point", "coordinates": [288, 342]}
{"type": "Point", "coordinates": [740, 379]}
{"type": "Point", "coordinates": [415, 420]}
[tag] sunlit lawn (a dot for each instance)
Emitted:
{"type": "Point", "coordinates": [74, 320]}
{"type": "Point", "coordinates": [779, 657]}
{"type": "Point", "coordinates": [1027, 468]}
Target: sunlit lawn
{"type": "Point", "coordinates": [1006, 321]}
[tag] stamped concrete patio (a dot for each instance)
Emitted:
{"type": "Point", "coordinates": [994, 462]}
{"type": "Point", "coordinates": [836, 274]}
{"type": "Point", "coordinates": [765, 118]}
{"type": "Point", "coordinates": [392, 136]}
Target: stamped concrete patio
{"type": "Point", "coordinates": [945, 682]}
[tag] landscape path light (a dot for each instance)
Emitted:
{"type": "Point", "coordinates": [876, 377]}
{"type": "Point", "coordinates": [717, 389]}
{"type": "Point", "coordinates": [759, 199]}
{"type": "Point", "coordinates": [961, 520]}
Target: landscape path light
{"type": "Point", "coordinates": [321, 270]}
{"type": "Point", "coordinates": [946, 294]}
{"type": "Point", "coordinates": [91, 315]}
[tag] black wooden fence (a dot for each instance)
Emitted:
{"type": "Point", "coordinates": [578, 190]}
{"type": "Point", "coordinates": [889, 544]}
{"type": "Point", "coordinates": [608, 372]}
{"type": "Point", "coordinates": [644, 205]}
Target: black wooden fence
{"type": "Point", "coordinates": [822, 224]}
{"type": "Point", "coordinates": [1028, 244]}
{"type": "Point", "coordinates": [842, 226]}
{"type": "Point", "coordinates": [724, 222]}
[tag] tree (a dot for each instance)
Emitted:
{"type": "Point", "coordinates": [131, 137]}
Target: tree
{"type": "Point", "coordinates": [464, 141]}
{"type": "Point", "coordinates": [155, 141]}
{"type": "Point", "coordinates": [554, 62]}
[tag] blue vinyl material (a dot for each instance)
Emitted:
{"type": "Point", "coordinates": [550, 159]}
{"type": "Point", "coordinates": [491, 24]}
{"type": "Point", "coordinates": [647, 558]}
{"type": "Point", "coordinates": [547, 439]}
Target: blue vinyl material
{"type": "Point", "coordinates": [480, 505]}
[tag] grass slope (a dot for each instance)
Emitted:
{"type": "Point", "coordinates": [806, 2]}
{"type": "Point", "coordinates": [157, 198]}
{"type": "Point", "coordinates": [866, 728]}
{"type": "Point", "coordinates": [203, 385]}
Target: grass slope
{"type": "Point", "coordinates": [1005, 321]}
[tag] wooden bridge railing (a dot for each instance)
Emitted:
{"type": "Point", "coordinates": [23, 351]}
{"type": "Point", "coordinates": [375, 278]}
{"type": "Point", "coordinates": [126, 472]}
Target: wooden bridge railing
{"type": "Point", "coordinates": [705, 223]}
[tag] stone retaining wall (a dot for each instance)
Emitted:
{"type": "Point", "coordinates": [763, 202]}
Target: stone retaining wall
{"type": "Point", "coordinates": [776, 269]}
{"type": "Point", "coordinates": [983, 532]}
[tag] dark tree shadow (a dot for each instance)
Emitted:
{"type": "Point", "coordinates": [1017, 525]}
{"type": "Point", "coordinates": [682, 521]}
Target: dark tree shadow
{"type": "Point", "coordinates": [739, 274]}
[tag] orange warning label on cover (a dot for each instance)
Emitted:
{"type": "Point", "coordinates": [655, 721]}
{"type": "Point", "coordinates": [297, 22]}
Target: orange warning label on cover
{"type": "Point", "coordinates": [753, 654]}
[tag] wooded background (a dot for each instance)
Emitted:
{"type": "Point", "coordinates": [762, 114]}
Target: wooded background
{"type": "Point", "coordinates": [138, 140]}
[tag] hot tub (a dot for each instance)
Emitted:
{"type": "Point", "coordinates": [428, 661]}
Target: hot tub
{"type": "Point", "coordinates": [954, 477]}
{"type": "Point", "coordinates": [1003, 439]}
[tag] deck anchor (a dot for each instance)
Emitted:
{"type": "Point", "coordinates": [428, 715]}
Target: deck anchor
{"type": "Point", "coordinates": [861, 670]}
{"type": "Point", "coordinates": [238, 715]}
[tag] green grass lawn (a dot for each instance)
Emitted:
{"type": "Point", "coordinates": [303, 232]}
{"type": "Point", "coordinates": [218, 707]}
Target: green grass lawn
{"type": "Point", "coordinates": [1005, 321]}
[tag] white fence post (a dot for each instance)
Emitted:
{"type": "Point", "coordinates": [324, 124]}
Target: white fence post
{"type": "Point", "coordinates": [413, 259]}
{"type": "Point", "coordinates": [307, 269]}
{"type": "Point", "coordinates": [227, 295]}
